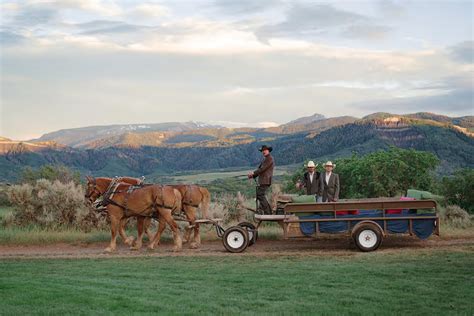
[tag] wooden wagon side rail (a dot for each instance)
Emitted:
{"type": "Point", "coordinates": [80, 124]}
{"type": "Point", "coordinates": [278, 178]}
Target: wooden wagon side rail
{"type": "Point", "coordinates": [357, 205]}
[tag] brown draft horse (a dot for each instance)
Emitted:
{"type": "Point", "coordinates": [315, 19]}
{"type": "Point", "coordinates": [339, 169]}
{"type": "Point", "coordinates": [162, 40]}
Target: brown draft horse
{"type": "Point", "coordinates": [193, 197]}
{"type": "Point", "coordinates": [139, 202]}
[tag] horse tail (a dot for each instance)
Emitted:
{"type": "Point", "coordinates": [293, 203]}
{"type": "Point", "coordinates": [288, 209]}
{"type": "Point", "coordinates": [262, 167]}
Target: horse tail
{"type": "Point", "coordinates": [205, 202]}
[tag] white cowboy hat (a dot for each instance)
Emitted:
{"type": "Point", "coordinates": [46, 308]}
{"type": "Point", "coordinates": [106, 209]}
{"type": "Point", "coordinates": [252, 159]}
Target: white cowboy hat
{"type": "Point", "coordinates": [311, 164]}
{"type": "Point", "coordinates": [329, 163]}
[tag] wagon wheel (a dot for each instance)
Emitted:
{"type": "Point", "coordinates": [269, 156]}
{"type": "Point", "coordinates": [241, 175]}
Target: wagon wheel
{"type": "Point", "coordinates": [252, 231]}
{"type": "Point", "coordinates": [235, 239]}
{"type": "Point", "coordinates": [368, 237]}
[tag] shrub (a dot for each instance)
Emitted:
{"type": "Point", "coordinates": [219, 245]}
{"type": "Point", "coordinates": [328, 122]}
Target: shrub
{"type": "Point", "coordinates": [228, 207]}
{"type": "Point", "coordinates": [455, 216]}
{"type": "Point", "coordinates": [50, 204]}
{"type": "Point", "coordinates": [4, 201]}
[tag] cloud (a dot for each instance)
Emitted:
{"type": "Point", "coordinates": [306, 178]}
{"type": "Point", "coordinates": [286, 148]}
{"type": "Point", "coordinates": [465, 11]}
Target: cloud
{"type": "Point", "coordinates": [308, 20]}
{"type": "Point", "coordinates": [233, 7]}
{"type": "Point", "coordinates": [36, 14]}
{"type": "Point", "coordinates": [104, 7]}
{"type": "Point", "coordinates": [8, 38]}
{"type": "Point", "coordinates": [463, 52]}
{"type": "Point", "coordinates": [389, 8]}
{"type": "Point", "coordinates": [366, 31]}
{"type": "Point", "coordinates": [104, 26]}
{"type": "Point", "coordinates": [151, 10]}
{"type": "Point", "coordinates": [450, 95]}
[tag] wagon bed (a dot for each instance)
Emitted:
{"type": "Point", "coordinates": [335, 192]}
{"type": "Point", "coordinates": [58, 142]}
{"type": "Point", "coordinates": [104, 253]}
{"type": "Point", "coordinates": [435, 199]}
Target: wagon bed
{"type": "Point", "coordinates": [367, 229]}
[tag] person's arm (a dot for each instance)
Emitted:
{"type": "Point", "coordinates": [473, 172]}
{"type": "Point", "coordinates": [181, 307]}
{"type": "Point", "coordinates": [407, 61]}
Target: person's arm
{"type": "Point", "coordinates": [301, 183]}
{"type": "Point", "coordinates": [336, 185]}
{"type": "Point", "coordinates": [267, 164]}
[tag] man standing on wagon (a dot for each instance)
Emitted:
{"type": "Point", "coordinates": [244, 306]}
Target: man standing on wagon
{"type": "Point", "coordinates": [310, 180]}
{"type": "Point", "coordinates": [264, 174]}
{"type": "Point", "coordinates": [329, 184]}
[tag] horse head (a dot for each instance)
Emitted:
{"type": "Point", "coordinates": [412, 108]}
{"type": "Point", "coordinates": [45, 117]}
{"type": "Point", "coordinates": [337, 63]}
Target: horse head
{"type": "Point", "coordinates": [94, 188]}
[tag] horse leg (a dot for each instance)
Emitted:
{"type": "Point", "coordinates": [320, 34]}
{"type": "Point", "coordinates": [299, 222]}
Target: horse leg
{"type": "Point", "coordinates": [166, 215]}
{"type": "Point", "coordinates": [187, 230]}
{"type": "Point", "coordinates": [114, 227]}
{"type": "Point", "coordinates": [190, 212]}
{"type": "Point", "coordinates": [146, 226]}
{"type": "Point", "coordinates": [127, 240]}
{"type": "Point", "coordinates": [138, 243]}
{"type": "Point", "coordinates": [156, 239]}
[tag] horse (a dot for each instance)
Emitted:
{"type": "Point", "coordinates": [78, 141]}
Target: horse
{"type": "Point", "coordinates": [113, 182]}
{"type": "Point", "coordinates": [125, 201]}
{"type": "Point", "coordinates": [193, 197]}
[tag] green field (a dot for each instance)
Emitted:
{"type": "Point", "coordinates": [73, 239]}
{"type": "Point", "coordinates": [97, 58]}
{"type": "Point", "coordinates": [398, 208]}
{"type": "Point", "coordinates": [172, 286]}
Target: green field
{"type": "Point", "coordinates": [436, 283]}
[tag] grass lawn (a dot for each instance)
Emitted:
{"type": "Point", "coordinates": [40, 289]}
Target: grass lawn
{"type": "Point", "coordinates": [438, 283]}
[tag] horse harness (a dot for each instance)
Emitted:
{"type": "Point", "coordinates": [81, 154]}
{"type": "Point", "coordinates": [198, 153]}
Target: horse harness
{"type": "Point", "coordinates": [189, 202]}
{"type": "Point", "coordinates": [113, 189]}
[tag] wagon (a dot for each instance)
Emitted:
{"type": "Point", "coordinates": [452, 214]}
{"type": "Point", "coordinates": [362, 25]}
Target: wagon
{"type": "Point", "coordinates": [367, 222]}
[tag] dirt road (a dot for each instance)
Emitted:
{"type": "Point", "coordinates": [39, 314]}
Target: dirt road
{"type": "Point", "coordinates": [327, 246]}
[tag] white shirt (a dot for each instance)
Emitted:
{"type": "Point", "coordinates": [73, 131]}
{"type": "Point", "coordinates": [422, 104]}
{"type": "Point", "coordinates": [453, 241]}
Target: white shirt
{"type": "Point", "coordinates": [311, 175]}
{"type": "Point", "coordinates": [328, 175]}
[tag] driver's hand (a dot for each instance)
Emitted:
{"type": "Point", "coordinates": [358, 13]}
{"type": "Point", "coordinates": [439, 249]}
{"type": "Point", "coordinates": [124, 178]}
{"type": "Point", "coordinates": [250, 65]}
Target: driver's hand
{"type": "Point", "coordinates": [250, 175]}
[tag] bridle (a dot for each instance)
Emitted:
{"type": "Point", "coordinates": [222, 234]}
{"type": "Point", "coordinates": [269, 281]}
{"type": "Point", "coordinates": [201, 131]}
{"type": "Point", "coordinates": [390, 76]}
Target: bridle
{"type": "Point", "coordinates": [94, 190]}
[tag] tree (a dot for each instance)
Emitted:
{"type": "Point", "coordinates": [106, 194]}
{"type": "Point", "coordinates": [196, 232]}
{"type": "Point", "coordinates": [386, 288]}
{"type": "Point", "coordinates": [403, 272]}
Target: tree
{"type": "Point", "coordinates": [459, 189]}
{"type": "Point", "coordinates": [385, 173]}
{"type": "Point", "coordinates": [50, 172]}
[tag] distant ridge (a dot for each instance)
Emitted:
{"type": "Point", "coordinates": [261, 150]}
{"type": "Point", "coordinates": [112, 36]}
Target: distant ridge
{"type": "Point", "coordinates": [80, 137]}
{"type": "Point", "coordinates": [181, 147]}
{"type": "Point", "coordinates": [306, 120]}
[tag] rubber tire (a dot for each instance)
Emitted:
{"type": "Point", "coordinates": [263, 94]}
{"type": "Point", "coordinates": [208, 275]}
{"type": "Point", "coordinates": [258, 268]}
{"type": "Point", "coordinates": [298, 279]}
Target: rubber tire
{"type": "Point", "coordinates": [236, 229]}
{"type": "Point", "coordinates": [251, 230]}
{"type": "Point", "coordinates": [372, 228]}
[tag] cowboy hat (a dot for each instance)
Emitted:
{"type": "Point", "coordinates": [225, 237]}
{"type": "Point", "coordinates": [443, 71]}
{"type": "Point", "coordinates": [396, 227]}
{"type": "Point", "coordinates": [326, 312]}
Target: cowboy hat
{"type": "Point", "coordinates": [311, 164]}
{"type": "Point", "coordinates": [265, 147]}
{"type": "Point", "coordinates": [329, 163]}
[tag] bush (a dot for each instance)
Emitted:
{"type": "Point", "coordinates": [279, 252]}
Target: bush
{"type": "Point", "coordinates": [455, 216]}
{"type": "Point", "coordinates": [50, 204]}
{"type": "Point", "coordinates": [228, 207]}
{"type": "Point", "coordinates": [4, 201]}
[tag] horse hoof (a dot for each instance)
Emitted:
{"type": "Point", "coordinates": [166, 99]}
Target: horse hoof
{"type": "Point", "coordinates": [129, 241]}
{"type": "Point", "coordinates": [194, 245]}
{"type": "Point", "coordinates": [109, 250]}
{"type": "Point", "coordinates": [150, 247]}
{"type": "Point", "coordinates": [135, 248]}
{"type": "Point", "coordinates": [176, 249]}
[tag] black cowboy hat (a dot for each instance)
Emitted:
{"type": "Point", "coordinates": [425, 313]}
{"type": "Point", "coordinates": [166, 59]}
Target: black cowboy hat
{"type": "Point", "coordinates": [266, 147]}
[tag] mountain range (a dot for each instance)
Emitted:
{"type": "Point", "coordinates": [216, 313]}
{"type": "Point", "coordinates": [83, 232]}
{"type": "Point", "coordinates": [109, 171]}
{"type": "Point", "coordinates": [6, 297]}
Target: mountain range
{"type": "Point", "coordinates": [165, 148]}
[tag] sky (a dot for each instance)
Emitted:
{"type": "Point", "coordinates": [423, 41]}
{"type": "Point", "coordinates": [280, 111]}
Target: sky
{"type": "Point", "coordinates": [75, 63]}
